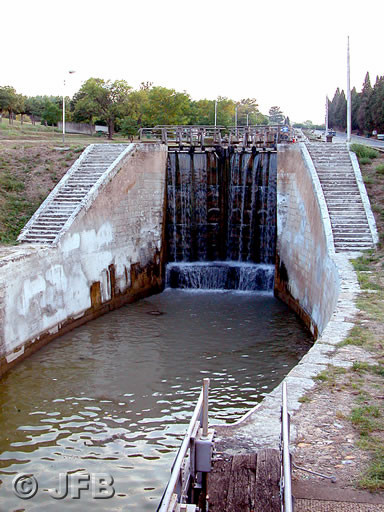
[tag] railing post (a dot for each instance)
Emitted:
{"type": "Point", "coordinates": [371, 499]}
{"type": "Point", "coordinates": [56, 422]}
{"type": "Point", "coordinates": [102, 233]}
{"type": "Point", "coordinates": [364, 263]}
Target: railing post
{"type": "Point", "coordinates": [205, 406]}
{"type": "Point", "coordinates": [287, 498]}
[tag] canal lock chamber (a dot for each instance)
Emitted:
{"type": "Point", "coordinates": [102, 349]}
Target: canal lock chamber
{"type": "Point", "coordinates": [117, 392]}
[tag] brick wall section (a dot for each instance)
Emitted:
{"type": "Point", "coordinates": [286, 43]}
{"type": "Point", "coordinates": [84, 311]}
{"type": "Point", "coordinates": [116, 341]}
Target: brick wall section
{"type": "Point", "coordinates": [110, 255]}
{"type": "Point", "coordinates": [307, 278]}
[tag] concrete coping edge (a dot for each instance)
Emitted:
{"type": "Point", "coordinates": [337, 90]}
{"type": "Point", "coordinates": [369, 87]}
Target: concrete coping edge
{"type": "Point", "coordinates": [93, 192]}
{"type": "Point", "coordinates": [320, 199]}
{"type": "Point", "coordinates": [364, 195]}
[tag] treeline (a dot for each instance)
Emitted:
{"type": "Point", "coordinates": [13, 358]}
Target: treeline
{"type": "Point", "coordinates": [122, 108]}
{"type": "Point", "coordinates": [367, 108]}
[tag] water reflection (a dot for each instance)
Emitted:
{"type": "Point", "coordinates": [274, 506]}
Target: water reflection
{"type": "Point", "coordinates": [114, 396]}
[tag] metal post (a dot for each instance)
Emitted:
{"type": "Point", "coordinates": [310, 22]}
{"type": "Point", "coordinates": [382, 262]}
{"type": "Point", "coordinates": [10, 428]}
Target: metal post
{"type": "Point", "coordinates": [71, 73]}
{"type": "Point", "coordinates": [349, 110]}
{"type": "Point", "coordinates": [205, 406]}
{"type": "Point", "coordinates": [286, 454]}
{"type": "Point", "coordinates": [236, 120]}
{"type": "Point", "coordinates": [64, 114]}
{"type": "Point", "coordinates": [326, 115]}
{"type": "Point", "coordinates": [215, 113]}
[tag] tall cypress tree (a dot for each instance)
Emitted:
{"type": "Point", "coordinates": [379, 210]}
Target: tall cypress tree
{"type": "Point", "coordinates": [364, 118]}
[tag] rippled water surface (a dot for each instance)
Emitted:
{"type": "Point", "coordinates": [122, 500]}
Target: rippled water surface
{"type": "Point", "coordinates": [114, 396]}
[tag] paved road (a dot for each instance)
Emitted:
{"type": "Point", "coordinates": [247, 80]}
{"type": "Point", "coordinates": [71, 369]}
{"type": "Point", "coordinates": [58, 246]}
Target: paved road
{"type": "Point", "coordinates": [342, 137]}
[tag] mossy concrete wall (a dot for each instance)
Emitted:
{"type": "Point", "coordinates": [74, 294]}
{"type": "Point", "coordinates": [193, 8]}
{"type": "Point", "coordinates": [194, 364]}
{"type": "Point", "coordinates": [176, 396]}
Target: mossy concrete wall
{"type": "Point", "coordinates": [307, 278]}
{"type": "Point", "coordinates": [110, 255]}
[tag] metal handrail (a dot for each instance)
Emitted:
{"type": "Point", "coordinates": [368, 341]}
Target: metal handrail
{"type": "Point", "coordinates": [200, 415]}
{"type": "Point", "coordinates": [287, 505]}
{"type": "Point", "coordinates": [202, 135]}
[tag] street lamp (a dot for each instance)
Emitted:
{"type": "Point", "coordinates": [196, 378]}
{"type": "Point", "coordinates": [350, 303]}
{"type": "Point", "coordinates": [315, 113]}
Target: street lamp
{"type": "Point", "coordinates": [71, 73]}
{"type": "Point", "coordinates": [215, 113]}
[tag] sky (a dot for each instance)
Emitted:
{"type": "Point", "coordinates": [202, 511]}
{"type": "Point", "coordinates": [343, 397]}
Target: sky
{"type": "Point", "coordinates": [286, 53]}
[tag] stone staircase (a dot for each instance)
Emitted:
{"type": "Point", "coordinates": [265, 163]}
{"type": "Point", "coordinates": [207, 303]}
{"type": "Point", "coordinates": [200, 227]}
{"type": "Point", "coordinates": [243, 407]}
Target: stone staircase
{"type": "Point", "coordinates": [350, 227]}
{"type": "Point", "coordinates": [65, 201]}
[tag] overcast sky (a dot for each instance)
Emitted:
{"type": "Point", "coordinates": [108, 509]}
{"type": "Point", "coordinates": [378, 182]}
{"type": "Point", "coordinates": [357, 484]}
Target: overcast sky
{"type": "Point", "coordinates": [285, 53]}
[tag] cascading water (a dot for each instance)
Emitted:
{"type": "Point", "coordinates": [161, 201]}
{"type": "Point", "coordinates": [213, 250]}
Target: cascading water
{"type": "Point", "coordinates": [221, 225]}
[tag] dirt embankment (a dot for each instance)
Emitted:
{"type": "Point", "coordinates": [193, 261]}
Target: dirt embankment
{"type": "Point", "coordinates": [28, 173]}
{"type": "Point", "coordinates": [341, 422]}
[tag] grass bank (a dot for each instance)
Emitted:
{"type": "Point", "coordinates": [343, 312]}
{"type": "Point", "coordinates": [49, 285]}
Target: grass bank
{"type": "Point", "coordinates": [31, 164]}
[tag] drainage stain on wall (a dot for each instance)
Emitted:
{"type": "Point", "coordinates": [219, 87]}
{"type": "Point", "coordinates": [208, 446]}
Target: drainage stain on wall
{"type": "Point", "coordinates": [110, 255]}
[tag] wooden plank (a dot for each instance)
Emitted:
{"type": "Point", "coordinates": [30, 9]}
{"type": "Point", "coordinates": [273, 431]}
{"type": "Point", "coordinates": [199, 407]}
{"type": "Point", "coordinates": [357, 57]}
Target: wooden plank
{"type": "Point", "coordinates": [245, 483]}
{"type": "Point", "coordinates": [241, 492]}
{"type": "Point", "coordinates": [218, 483]}
{"type": "Point", "coordinates": [267, 495]}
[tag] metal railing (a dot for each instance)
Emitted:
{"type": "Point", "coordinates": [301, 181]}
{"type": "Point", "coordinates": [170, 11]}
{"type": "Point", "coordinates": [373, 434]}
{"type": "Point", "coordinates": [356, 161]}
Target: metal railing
{"type": "Point", "coordinates": [265, 136]}
{"type": "Point", "coordinates": [192, 461]}
{"type": "Point", "coordinates": [286, 465]}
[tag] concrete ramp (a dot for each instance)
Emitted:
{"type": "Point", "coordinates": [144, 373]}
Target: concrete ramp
{"type": "Point", "coordinates": [352, 221]}
{"type": "Point", "coordinates": [58, 211]}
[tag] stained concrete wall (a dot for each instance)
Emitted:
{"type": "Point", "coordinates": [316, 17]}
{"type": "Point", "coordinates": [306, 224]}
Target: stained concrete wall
{"type": "Point", "coordinates": [110, 255]}
{"type": "Point", "coordinates": [87, 128]}
{"type": "Point", "coordinates": [307, 278]}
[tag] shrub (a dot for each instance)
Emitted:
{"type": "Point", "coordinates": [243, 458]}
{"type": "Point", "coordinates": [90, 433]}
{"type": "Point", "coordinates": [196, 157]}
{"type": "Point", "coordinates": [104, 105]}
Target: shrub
{"type": "Point", "coordinates": [364, 152]}
{"type": "Point", "coordinates": [380, 169]}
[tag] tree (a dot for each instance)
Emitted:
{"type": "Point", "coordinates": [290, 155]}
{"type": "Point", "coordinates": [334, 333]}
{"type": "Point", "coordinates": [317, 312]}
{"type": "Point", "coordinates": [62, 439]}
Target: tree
{"type": "Point", "coordinates": [376, 105]}
{"type": "Point", "coordinates": [202, 112]}
{"type": "Point", "coordinates": [166, 106]}
{"type": "Point", "coordinates": [363, 114]}
{"type": "Point", "coordinates": [355, 105]}
{"type": "Point", "coordinates": [247, 111]}
{"type": "Point", "coordinates": [51, 113]}
{"type": "Point", "coordinates": [225, 111]}
{"type": "Point", "coordinates": [128, 127]}
{"type": "Point", "coordinates": [104, 99]}
{"type": "Point", "coordinates": [8, 101]}
{"type": "Point", "coordinates": [276, 116]}
{"type": "Point", "coordinates": [340, 113]}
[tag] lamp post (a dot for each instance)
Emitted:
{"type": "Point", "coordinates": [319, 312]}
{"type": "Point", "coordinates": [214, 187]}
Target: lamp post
{"type": "Point", "coordinates": [71, 73]}
{"type": "Point", "coordinates": [236, 118]}
{"type": "Point", "coordinates": [215, 113]}
{"type": "Point", "coordinates": [349, 124]}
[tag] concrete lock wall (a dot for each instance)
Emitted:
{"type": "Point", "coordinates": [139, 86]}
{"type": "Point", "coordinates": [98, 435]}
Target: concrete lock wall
{"type": "Point", "coordinates": [86, 128]}
{"type": "Point", "coordinates": [307, 277]}
{"type": "Point", "coordinates": [110, 255]}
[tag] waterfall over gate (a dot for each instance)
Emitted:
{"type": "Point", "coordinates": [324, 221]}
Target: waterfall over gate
{"type": "Point", "coordinates": [221, 219]}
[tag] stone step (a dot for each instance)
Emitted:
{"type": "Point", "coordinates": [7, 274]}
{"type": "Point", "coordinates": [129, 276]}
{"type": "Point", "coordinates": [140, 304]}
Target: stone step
{"type": "Point", "coordinates": [68, 196]}
{"type": "Point", "coordinates": [357, 237]}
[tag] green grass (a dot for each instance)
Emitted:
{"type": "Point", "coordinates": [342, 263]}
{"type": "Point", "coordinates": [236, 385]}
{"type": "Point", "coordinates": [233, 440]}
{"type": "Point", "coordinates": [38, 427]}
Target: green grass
{"type": "Point", "coordinates": [9, 183]}
{"type": "Point", "coordinates": [380, 169]}
{"type": "Point", "coordinates": [365, 418]}
{"type": "Point", "coordinates": [366, 282]}
{"type": "Point", "coordinates": [357, 336]}
{"type": "Point", "coordinates": [14, 214]}
{"type": "Point", "coordinates": [364, 160]}
{"type": "Point", "coordinates": [372, 304]}
{"type": "Point", "coordinates": [363, 151]}
{"type": "Point", "coordinates": [373, 479]}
